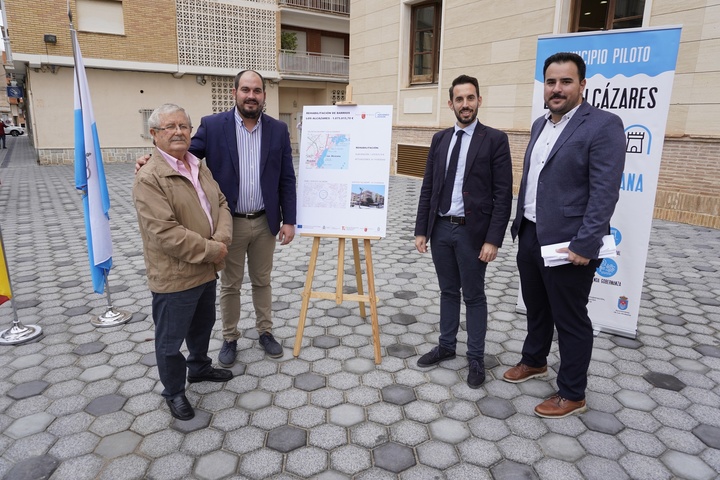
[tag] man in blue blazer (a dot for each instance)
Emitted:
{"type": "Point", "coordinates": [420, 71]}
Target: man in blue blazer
{"type": "Point", "coordinates": [249, 155]}
{"type": "Point", "coordinates": [570, 185]}
{"type": "Point", "coordinates": [463, 210]}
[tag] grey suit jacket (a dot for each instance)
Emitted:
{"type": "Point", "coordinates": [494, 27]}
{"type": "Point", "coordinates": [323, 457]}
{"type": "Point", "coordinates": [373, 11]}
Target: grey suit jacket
{"type": "Point", "coordinates": [580, 183]}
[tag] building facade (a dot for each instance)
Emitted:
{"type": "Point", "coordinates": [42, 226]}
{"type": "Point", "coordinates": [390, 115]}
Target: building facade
{"type": "Point", "coordinates": [406, 52]}
{"type": "Point", "coordinates": [141, 54]}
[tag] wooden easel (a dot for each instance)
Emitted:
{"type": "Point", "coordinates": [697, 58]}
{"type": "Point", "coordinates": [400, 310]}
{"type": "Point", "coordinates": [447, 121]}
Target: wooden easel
{"type": "Point", "coordinates": [338, 295]}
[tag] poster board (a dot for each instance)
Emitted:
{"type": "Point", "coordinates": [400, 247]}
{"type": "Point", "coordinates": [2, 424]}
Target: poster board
{"type": "Point", "coordinates": [344, 170]}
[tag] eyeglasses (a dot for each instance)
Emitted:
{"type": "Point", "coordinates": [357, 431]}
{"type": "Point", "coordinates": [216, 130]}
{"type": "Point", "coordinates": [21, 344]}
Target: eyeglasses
{"type": "Point", "coordinates": [183, 128]}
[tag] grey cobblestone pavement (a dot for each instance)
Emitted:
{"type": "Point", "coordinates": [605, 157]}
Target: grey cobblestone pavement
{"type": "Point", "coordinates": [84, 403]}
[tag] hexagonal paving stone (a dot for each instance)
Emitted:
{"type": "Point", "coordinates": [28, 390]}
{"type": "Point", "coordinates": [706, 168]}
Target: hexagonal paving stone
{"type": "Point", "coordinates": [393, 457]}
{"type": "Point", "coordinates": [149, 359]}
{"type": "Point", "coordinates": [105, 404]}
{"type": "Point", "coordinates": [41, 466]}
{"type": "Point", "coordinates": [398, 394]}
{"type": "Point", "coordinates": [29, 425]}
{"type": "Point", "coordinates": [118, 444]}
{"type": "Point", "coordinates": [89, 348]}
{"type": "Point", "coordinates": [511, 470]}
{"type": "Point", "coordinates": [496, 407]}
{"type": "Point", "coordinates": [201, 420]}
{"type": "Point", "coordinates": [405, 295]}
{"type": "Point", "coordinates": [602, 422]}
{"type": "Point", "coordinates": [710, 301]}
{"type": "Point", "coordinates": [708, 350]}
{"type": "Point", "coordinates": [663, 380]}
{"type": "Point", "coordinates": [286, 438]}
{"type": "Point", "coordinates": [708, 434]}
{"type": "Point", "coordinates": [338, 312]}
{"type": "Point", "coordinates": [325, 341]}
{"type": "Point", "coordinates": [254, 400]}
{"type": "Point", "coordinates": [28, 389]}
{"type": "Point", "coordinates": [216, 465]}
{"type": "Point", "coordinates": [671, 319]}
{"type": "Point", "coordinates": [403, 319]}
{"type": "Point", "coordinates": [22, 304]}
{"type": "Point", "coordinates": [561, 447]}
{"type": "Point", "coordinates": [309, 382]}
{"type": "Point", "coordinates": [346, 415]}
{"type": "Point", "coordinates": [77, 311]}
{"type": "Point", "coordinates": [625, 342]}
{"type": "Point", "coordinates": [401, 351]}
{"type": "Point", "coordinates": [449, 431]}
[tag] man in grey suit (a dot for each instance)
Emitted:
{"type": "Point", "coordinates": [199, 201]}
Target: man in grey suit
{"type": "Point", "coordinates": [570, 185]}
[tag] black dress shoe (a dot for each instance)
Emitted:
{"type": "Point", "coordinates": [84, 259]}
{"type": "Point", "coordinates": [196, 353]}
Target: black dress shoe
{"type": "Point", "coordinates": [180, 408]}
{"type": "Point", "coordinates": [214, 375]}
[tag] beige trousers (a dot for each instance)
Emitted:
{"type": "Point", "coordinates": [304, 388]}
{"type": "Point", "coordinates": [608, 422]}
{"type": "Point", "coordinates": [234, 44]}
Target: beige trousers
{"type": "Point", "coordinates": [251, 238]}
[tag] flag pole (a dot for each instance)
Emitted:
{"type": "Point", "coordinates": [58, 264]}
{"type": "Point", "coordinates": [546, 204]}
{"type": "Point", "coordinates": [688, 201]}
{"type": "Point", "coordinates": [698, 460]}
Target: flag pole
{"type": "Point", "coordinates": [111, 317]}
{"type": "Point", "coordinates": [18, 333]}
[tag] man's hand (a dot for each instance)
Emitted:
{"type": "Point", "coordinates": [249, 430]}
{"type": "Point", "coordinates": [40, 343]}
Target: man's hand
{"type": "Point", "coordinates": [221, 254]}
{"type": "Point", "coordinates": [488, 253]}
{"type": "Point", "coordinates": [421, 243]}
{"type": "Point", "coordinates": [286, 234]}
{"type": "Point", "coordinates": [140, 161]}
{"type": "Point", "coordinates": [574, 258]}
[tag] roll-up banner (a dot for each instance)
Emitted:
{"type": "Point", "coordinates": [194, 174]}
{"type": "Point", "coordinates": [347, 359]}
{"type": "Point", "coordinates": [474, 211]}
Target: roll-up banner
{"type": "Point", "coordinates": [630, 73]}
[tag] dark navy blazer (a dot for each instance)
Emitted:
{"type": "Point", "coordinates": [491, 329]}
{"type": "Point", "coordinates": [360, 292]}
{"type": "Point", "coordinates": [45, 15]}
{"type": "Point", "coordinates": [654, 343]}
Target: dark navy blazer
{"type": "Point", "coordinates": [486, 188]}
{"type": "Point", "coordinates": [579, 184]}
{"type": "Point", "coordinates": [216, 142]}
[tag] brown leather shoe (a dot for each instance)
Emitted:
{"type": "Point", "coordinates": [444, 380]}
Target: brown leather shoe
{"type": "Point", "coordinates": [558, 407]}
{"type": "Point", "coordinates": [521, 372]}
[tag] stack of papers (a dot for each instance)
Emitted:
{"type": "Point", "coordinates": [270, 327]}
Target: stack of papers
{"type": "Point", "coordinates": [553, 258]}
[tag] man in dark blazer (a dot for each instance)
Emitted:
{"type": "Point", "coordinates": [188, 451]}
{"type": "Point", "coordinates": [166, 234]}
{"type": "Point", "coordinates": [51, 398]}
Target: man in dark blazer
{"type": "Point", "coordinates": [570, 185]}
{"type": "Point", "coordinates": [249, 155]}
{"type": "Point", "coordinates": [463, 210]}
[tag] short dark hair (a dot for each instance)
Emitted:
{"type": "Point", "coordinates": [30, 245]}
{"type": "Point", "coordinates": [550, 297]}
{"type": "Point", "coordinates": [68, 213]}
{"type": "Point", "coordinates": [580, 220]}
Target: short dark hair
{"type": "Point", "coordinates": [237, 78]}
{"type": "Point", "coordinates": [564, 57]}
{"type": "Point", "coordinates": [463, 79]}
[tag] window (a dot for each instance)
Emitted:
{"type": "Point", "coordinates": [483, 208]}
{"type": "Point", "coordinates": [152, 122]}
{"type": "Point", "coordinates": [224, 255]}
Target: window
{"type": "Point", "coordinates": [145, 116]}
{"type": "Point", "coordinates": [590, 15]}
{"type": "Point", "coordinates": [425, 42]}
{"type": "Point", "coordinates": [101, 16]}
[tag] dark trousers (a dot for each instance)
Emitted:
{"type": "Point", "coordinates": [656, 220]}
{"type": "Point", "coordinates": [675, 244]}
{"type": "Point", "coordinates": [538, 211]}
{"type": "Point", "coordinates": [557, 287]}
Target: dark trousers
{"type": "Point", "coordinates": [2, 140]}
{"type": "Point", "coordinates": [459, 269]}
{"type": "Point", "coordinates": [556, 297]}
{"type": "Point", "coordinates": [183, 316]}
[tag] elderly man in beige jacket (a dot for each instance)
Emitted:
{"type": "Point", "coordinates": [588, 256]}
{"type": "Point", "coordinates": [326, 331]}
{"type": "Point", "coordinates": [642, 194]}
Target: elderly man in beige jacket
{"type": "Point", "coordinates": [186, 227]}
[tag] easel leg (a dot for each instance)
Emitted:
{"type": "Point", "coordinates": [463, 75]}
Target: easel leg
{"type": "Point", "coordinates": [306, 296]}
{"type": "Point", "coordinates": [373, 301]}
{"type": "Point", "coordinates": [358, 275]}
{"type": "Point", "coordinates": [340, 272]}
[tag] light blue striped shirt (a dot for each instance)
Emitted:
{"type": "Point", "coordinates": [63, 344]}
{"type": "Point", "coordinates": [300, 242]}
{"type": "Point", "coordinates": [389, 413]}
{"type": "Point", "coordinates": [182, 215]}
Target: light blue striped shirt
{"type": "Point", "coordinates": [248, 144]}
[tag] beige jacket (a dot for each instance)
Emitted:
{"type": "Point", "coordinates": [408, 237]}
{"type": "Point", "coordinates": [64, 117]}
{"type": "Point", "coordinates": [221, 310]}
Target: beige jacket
{"type": "Point", "coordinates": [178, 243]}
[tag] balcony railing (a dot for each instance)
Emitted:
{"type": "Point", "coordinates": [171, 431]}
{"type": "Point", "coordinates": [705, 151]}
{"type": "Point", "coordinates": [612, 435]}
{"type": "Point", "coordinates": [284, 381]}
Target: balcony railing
{"type": "Point", "coordinates": [316, 64]}
{"type": "Point", "coordinates": [331, 6]}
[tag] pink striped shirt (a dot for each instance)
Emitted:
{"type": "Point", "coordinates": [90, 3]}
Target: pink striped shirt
{"type": "Point", "coordinates": [192, 175]}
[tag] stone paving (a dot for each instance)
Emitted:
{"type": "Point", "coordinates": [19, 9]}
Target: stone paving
{"type": "Point", "coordinates": [83, 402]}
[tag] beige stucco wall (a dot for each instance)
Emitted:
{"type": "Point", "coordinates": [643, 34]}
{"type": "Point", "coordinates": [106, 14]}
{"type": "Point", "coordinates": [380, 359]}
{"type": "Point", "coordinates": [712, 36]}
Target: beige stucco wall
{"type": "Point", "coordinates": [117, 97]}
{"type": "Point", "coordinates": [496, 41]}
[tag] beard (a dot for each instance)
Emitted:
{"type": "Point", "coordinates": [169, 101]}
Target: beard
{"type": "Point", "coordinates": [247, 113]}
{"type": "Point", "coordinates": [458, 115]}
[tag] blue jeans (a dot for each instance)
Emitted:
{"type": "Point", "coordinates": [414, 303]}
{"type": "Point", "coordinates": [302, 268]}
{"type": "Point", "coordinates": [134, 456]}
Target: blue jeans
{"type": "Point", "coordinates": [459, 269]}
{"type": "Point", "coordinates": [183, 316]}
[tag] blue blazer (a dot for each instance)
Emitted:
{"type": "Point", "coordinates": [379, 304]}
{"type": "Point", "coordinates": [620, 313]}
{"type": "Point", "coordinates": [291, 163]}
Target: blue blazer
{"type": "Point", "coordinates": [580, 183]}
{"type": "Point", "coordinates": [216, 142]}
{"type": "Point", "coordinates": [486, 189]}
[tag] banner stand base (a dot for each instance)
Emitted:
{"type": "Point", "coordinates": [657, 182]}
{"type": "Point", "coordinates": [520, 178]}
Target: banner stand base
{"type": "Point", "coordinates": [19, 333]}
{"type": "Point", "coordinates": [111, 318]}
